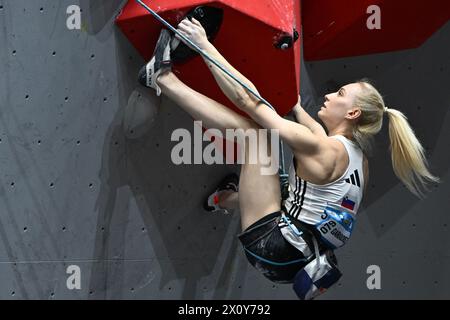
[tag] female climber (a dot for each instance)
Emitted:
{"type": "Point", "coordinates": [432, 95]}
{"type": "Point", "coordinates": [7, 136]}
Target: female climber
{"type": "Point", "coordinates": [330, 170]}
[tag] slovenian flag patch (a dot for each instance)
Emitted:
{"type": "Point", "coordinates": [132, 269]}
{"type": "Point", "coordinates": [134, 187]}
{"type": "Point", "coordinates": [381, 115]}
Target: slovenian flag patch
{"type": "Point", "coordinates": [347, 203]}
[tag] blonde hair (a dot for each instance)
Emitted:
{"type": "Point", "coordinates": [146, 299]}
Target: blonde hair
{"type": "Point", "coordinates": [407, 153]}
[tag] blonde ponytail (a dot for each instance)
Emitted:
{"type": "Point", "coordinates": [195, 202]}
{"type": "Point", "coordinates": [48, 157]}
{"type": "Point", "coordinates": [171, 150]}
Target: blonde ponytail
{"type": "Point", "coordinates": [407, 154]}
{"type": "Point", "coordinates": [408, 157]}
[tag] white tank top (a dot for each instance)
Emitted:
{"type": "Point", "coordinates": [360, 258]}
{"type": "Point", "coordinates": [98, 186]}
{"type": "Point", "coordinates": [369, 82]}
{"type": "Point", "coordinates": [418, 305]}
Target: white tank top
{"type": "Point", "coordinates": [307, 201]}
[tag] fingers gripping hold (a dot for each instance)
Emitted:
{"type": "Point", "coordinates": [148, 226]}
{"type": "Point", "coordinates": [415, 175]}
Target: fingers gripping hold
{"type": "Point", "coordinates": [195, 21]}
{"type": "Point", "coordinates": [194, 31]}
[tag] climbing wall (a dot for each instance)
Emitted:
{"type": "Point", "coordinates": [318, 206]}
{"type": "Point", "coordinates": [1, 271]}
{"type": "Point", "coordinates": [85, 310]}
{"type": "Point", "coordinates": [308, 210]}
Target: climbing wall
{"type": "Point", "coordinates": [87, 181]}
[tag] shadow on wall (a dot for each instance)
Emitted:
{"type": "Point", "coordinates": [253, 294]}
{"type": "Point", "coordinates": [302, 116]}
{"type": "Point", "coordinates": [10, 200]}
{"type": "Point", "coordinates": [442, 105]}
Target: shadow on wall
{"type": "Point", "coordinates": [98, 14]}
{"type": "Point", "coordinates": [27, 279]}
{"type": "Point", "coordinates": [186, 241]}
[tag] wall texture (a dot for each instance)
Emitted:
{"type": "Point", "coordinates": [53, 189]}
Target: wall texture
{"type": "Point", "coordinates": [84, 181]}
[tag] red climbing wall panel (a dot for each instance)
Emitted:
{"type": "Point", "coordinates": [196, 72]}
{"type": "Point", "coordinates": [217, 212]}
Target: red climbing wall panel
{"type": "Point", "coordinates": [246, 39]}
{"type": "Point", "coordinates": [335, 29]}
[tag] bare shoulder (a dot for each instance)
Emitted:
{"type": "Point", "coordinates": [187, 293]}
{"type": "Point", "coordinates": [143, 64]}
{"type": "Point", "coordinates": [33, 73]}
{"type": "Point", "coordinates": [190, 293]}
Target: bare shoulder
{"type": "Point", "coordinates": [325, 165]}
{"type": "Point", "coordinates": [328, 164]}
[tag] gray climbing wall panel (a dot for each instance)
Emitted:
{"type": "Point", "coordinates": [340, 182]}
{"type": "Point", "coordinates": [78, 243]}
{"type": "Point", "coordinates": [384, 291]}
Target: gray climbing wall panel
{"type": "Point", "coordinates": [78, 189]}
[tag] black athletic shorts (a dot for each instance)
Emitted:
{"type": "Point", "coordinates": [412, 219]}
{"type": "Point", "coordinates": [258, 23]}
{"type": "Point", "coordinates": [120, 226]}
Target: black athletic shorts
{"type": "Point", "coordinates": [269, 252]}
